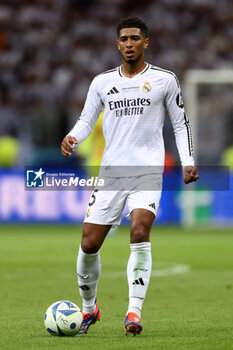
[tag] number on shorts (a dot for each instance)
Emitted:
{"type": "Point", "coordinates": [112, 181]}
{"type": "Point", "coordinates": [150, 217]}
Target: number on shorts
{"type": "Point", "coordinates": [93, 198]}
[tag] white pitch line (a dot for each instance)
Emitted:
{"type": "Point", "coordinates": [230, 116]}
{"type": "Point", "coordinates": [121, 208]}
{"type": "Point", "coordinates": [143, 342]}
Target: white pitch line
{"type": "Point", "coordinates": [175, 269]}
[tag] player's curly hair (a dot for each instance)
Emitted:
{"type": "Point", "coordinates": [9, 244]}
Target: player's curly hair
{"type": "Point", "coordinates": [133, 22]}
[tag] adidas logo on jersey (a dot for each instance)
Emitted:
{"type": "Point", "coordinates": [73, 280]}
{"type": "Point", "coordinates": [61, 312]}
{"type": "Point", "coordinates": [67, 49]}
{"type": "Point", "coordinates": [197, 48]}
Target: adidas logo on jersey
{"type": "Point", "coordinates": [152, 205]}
{"type": "Point", "coordinates": [113, 91]}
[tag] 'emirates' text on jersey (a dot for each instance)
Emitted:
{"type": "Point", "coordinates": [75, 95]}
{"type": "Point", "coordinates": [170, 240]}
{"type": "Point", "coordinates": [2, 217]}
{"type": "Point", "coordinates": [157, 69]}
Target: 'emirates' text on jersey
{"type": "Point", "coordinates": [134, 112]}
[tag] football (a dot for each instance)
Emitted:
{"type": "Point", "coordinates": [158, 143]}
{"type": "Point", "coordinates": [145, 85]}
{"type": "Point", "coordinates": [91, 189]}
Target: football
{"type": "Point", "coordinates": [63, 318]}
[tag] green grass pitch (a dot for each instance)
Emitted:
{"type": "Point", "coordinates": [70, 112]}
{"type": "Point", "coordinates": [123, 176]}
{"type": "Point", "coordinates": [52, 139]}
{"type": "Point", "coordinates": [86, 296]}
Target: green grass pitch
{"type": "Point", "coordinates": [189, 302]}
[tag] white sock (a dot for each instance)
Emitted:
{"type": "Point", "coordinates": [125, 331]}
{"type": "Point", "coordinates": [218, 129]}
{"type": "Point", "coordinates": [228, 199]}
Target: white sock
{"type": "Point", "coordinates": [88, 270]}
{"type": "Point", "coordinates": [138, 273]}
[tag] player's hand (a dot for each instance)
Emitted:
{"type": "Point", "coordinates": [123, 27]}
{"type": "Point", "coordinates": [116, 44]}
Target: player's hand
{"type": "Point", "coordinates": [190, 174]}
{"type": "Point", "coordinates": [67, 145]}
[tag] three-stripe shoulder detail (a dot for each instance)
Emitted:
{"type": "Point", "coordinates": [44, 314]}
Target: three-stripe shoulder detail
{"type": "Point", "coordinates": [110, 71]}
{"type": "Point", "coordinates": [166, 71]}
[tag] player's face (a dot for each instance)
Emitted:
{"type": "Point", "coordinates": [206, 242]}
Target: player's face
{"type": "Point", "coordinates": [131, 44]}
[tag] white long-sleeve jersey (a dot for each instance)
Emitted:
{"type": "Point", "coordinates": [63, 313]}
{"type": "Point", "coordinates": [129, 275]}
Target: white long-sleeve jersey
{"type": "Point", "coordinates": [134, 112]}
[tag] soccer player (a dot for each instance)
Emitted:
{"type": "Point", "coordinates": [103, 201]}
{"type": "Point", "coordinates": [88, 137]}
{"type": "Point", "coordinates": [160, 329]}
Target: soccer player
{"type": "Point", "coordinates": [135, 97]}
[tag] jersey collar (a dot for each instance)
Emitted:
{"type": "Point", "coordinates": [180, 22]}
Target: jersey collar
{"type": "Point", "coordinates": [140, 73]}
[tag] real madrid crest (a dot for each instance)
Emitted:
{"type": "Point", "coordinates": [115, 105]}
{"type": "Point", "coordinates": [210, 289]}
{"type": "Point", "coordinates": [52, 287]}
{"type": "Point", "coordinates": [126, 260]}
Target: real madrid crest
{"type": "Point", "coordinates": [146, 87]}
{"type": "Point", "coordinates": [88, 213]}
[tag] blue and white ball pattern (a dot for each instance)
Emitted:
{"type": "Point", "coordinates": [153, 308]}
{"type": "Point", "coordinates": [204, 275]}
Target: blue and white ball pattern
{"type": "Point", "coordinates": [63, 318]}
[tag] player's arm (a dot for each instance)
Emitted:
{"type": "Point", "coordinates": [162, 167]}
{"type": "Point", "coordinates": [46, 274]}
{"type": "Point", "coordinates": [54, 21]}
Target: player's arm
{"type": "Point", "coordinates": [85, 123]}
{"type": "Point", "coordinates": [182, 130]}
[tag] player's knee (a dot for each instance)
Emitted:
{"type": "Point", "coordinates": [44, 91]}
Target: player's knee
{"type": "Point", "coordinates": [90, 245]}
{"type": "Point", "coordinates": [139, 233]}
{"type": "Point", "coordinates": [89, 242]}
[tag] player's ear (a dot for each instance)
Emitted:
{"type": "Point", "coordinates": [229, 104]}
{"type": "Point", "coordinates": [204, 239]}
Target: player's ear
{"type": "Point", "coordinates": [146, 43]}
{"type": "Point", "coordinates": [118, 46]}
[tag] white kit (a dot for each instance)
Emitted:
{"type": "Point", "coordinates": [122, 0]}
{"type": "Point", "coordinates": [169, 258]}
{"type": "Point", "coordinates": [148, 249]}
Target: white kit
{"type": "Point", "coordinates": [134, 112]}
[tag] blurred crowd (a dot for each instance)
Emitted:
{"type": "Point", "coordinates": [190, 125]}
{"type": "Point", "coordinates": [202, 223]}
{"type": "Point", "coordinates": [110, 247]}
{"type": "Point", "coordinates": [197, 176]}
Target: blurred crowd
{"type": "Point", "coordinates": [51, 49]}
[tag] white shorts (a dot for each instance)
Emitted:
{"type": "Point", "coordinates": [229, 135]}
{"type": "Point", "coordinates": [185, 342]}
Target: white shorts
{"type": "Point", "coordinates": [106, 206]}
